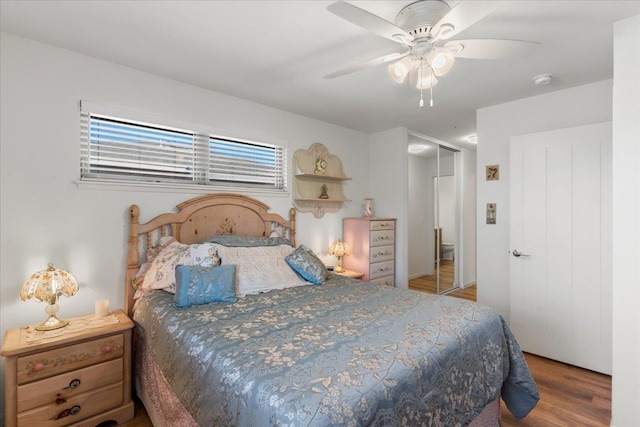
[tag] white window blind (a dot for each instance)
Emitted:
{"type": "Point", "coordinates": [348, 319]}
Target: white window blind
{"type": "Point", "coordinates": [115, 149]}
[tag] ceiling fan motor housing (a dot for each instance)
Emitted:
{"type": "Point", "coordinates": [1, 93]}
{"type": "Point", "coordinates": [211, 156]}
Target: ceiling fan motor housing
{"type": "Point", "coordinates": [419, 18]}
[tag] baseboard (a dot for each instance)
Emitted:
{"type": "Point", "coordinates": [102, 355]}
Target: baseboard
{"type": "Point", "coordinates": [467, 284]}
{"type": "Point", "coordinates": [415, 276]}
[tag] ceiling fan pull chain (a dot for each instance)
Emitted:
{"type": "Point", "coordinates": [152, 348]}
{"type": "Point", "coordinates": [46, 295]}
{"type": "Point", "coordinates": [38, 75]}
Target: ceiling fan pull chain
{"type": "Point", "coordinates": [431, 89]}
{"type": "Point", "coordinates": [420, 70]}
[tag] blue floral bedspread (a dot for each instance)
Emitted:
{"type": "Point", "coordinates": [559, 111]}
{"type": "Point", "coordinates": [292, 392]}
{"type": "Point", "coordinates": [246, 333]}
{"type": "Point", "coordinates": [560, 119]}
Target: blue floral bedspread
{"type": "Point", "coordinates": [346, 353]}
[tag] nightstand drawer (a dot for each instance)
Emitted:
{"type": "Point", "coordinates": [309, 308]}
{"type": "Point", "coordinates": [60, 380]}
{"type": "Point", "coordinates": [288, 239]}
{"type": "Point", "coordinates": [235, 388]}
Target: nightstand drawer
{"type": "Point", "coordinates": [381, 269]}
{"type": "Point", "coordinates": [67, 385]}
{"type": "Point", "coordinates": [58, 361]}
{"type": "Point", "coordinates": [74, 409]}
{"type": "Point", "coordinates": [382, 237]}
{"type": "Point", "coordinates": [382, 253]}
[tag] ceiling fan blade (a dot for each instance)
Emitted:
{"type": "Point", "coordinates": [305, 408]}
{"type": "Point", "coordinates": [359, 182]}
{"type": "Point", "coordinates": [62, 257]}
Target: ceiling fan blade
{"type": "Point", "coordinates": [367, 64]}
{"type": "Point", "coordinates": [464, 15]}
{"type": "Point", "coordinates": [371, 22]}
{"type": "Point", "coordinates": [491, 48]}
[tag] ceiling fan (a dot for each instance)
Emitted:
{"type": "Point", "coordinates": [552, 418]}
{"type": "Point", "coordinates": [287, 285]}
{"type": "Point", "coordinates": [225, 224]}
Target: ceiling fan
{"type": "Point", "coordinates": [423, 29]}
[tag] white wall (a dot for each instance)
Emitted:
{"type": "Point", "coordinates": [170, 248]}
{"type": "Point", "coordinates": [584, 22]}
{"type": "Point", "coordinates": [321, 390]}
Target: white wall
{"type": "Point", "coordinates": [468, 176]}
{"type": "Point", "coordinates": [626, 224]}
{"type": "Point", "coordinates": [388, 163]}
{"type": "Point", "coordinates": [45, 217]}
{"type": "Point", "coordinates": [495, 125]}
{"type": "Point", "coordinates": [592, 103]}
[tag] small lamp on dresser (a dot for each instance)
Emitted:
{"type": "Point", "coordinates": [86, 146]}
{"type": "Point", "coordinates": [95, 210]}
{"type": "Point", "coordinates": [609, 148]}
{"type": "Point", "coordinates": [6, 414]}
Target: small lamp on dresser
{"type": "Point", "coordinates": [339, 249]}
{"type": "Point", "coordinates": [47, 285]}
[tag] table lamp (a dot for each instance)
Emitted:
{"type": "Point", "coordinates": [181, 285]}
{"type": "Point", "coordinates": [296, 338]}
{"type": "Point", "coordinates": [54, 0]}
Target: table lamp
{"type": "Point", "coordinates": [339, 249]}
{"type": "Point", "coordinates": [47, 285]}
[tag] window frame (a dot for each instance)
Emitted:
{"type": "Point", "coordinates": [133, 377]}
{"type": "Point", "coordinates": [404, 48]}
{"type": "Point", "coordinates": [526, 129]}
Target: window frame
{"type": "Point", "coordinates": [202, 137]}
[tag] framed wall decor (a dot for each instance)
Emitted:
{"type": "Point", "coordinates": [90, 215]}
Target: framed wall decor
{"type": "Point", "coordinates": [493, 172]}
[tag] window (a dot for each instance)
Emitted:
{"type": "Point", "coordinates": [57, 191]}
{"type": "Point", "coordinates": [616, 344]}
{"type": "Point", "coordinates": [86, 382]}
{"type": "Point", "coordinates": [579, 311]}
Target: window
{"type": "Point", "coordinates": [120, 150]}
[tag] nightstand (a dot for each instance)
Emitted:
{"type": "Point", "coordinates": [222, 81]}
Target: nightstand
{"type": "Point", "coordinates": [80, 376]}
{"type": "Point", "coordinates": [352, 274]}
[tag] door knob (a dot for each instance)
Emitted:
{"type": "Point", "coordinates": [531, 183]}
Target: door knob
{"type": "Point", "coordinates": [518, 254]}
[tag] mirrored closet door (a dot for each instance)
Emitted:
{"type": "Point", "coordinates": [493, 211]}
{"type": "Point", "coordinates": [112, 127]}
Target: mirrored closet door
{"type": "Point", "coordinates": [433, 216]}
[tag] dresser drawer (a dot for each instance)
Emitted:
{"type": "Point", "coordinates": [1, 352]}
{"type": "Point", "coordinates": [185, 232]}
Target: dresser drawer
{"type": "Point", "coordinates": [387, 281]}
{"type": "Point", "coordinates": [70, 384]}
{"type": "Point", "coordinates": [58, 361]}
{"type": "Point", "coordinates": [382, 237]}
{"type": "Point", "coordinates": [380, 269]}
{"type": "Point", "coordinates": [74, 409]}
{"type": "Point", "coordinates": [382, 253]}
{"type": "Point", "coordinates": [382, 225]}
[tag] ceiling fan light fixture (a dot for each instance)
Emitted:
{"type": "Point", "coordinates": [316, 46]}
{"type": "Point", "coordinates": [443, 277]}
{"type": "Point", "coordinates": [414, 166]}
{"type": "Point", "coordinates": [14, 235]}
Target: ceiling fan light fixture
{"type": "Point", "coordinates": [424, 80]}
{"type": "Point", "coordinates": [417, 148]}
{"type": "Point", "coordinates": [440, 62]}
{"type": "Point", "coordinates": [400, 69]}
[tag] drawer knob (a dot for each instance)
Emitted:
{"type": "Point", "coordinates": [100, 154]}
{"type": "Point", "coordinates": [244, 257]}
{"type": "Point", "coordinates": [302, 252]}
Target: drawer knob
{"type": "Point", "coordinates": [72, 411]}
{"type": "Point", "coordinates": [107, 349]}
{"type": "Point", "coordinates": [38, 367]}
{"type": "Point", "coordinates": [74, 383]}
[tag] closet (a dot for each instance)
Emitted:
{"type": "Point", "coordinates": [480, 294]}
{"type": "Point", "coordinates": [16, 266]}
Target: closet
{"type": "Point", "coordinates": [434, 215]}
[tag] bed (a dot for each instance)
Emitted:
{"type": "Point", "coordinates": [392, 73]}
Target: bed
{"type": "Point", "coordinates": [338, 352]}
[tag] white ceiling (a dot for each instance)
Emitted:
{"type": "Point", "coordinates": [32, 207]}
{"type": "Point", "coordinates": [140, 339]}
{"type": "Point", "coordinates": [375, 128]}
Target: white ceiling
{"type": "Point", "coordinates": [277, 52]}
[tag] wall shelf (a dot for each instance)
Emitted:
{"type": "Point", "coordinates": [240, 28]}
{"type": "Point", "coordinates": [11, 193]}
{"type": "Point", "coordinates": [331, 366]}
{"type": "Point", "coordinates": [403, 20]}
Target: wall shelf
{"type": "Point", "coordinates": [323, 200]}
{"type": "Point", "coordinates": [321, 177]}
{"type": "Point", "coordinates": [318, 172]}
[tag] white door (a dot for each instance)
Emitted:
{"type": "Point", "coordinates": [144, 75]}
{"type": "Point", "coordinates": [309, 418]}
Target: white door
{"type": "Point", "coordinates": [560, 285]}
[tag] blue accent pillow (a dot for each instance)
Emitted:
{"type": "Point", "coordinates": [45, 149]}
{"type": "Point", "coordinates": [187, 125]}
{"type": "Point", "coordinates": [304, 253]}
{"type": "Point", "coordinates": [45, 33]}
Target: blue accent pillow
{"type": "Point", "coordinates": [202, 285]}
{"type": "Point", "coordinates": [308, 265]}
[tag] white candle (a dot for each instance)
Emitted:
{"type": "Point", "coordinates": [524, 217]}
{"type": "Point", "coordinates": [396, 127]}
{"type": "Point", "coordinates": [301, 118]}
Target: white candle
{"type": "Point", "coordinates": [102, 307]}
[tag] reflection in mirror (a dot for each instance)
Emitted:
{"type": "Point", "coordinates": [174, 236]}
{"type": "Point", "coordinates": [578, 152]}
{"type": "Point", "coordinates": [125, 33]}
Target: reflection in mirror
{"type": "Point", "coordinates": [431, 219]}
{"type": "Point", "coordinates": [445, 201]}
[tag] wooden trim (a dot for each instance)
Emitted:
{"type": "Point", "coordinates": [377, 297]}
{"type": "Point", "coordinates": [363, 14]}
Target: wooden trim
{"type": "Point", "coordinates": [197, 219]}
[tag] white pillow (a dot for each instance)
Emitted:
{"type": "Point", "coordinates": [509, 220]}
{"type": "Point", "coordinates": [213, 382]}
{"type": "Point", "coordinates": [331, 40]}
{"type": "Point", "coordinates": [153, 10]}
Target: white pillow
{"type": "Point", "coordinates": [162, 271]}
{"type": "Point", "coordinates": [260, 268]}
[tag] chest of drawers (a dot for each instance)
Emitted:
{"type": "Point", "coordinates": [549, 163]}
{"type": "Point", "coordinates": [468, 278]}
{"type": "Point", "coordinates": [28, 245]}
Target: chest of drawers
{"type": "Point", "coordinates": [372, 242]}
{"type": "Point", "coordinates": [79, 378]}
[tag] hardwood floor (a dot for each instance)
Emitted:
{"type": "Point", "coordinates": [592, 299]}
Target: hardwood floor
{"type": "Point", "coordinates": [569, 396]}
{"type": "Point", "coordinates": [428, 283]}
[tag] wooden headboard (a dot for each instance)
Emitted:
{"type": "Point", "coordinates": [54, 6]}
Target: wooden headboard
{"type": "Point", "coordinates": [197, 219]}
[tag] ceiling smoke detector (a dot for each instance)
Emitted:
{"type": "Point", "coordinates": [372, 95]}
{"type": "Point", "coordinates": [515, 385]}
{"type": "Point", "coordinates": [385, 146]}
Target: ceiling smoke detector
{"type": "Point", "coordinates": [542, 79]}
